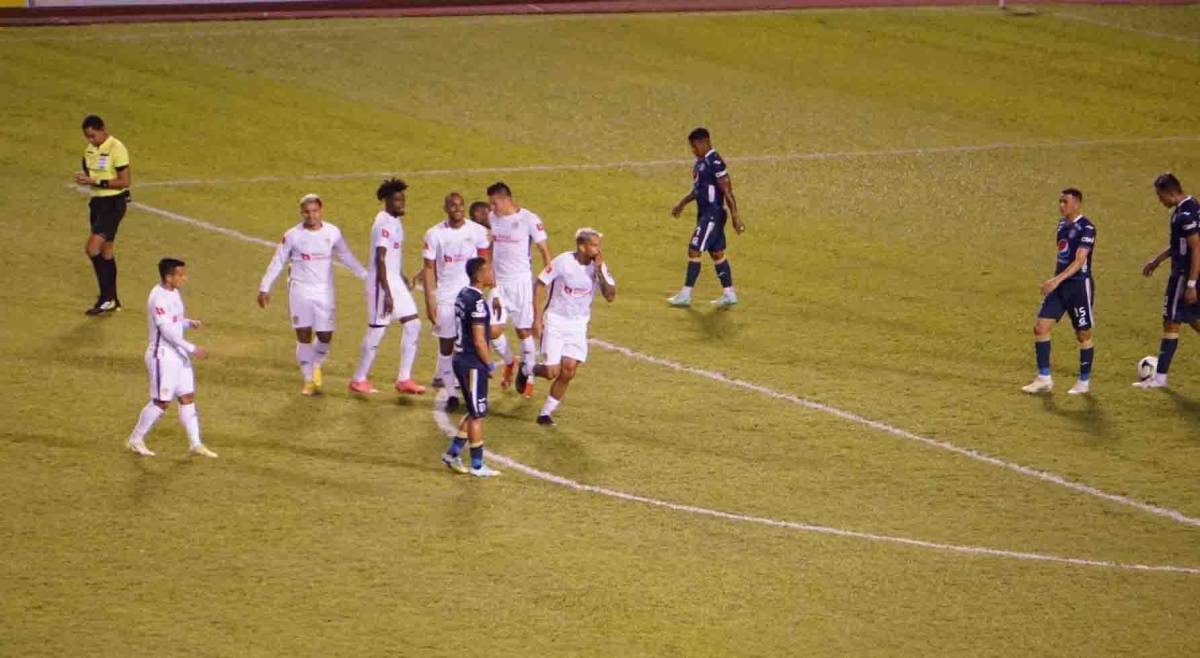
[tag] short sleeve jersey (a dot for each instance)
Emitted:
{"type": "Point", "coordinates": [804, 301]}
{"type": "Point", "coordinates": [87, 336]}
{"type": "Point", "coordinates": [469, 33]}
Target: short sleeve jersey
{"type": "Point", "coordinates": [450, 249]}
{"type": "Point", "coordinates": [1070, 237]}
{"type": "Point", "coordinates": [705, 174]}
{"type": "Point", "coordinates": [387, 233]}
{"type": "Point", "coordinates": [164, 307]}
{"type": "Point", "coordinates": [572, 287]}
{"type": "Point", "coordinates": [311, 254]}
{"type": "Point", "coordinates": [1185, 221]}
{"type": "Point", "coordinates": [470, 308]}
{"type": "Point", "coordinates": [513, 236]}
{"type": "Point", "coordinates": [103, 162]}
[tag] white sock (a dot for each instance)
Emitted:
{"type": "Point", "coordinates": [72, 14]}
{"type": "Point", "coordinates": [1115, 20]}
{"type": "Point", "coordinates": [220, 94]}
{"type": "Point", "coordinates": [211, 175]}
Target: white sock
{"type": "Point", "coordinates": [550, 406]}
{"type": "Point", "coordinates": [686, 290]}
{"type": "Point", "coordinates": [367, 352]}
{"type": "Point", "coordinates": [528, 355]}
{"type": "Point", "coordinates": [408, 348]}
{"type": "Point", "coordinates": [304, 356]}
{"type": "Point", "coordinates": [501, 345]}
{"type": "Point", "coordinates": [145, 422]}
{"type": "Point", "coordinates": [191, 423]}
{"type": "Point", "coordinates": [320, 351]}
{"type": "Point", "coordinates": [445, 368]}
{"type": "Point", "coordinates": [729, 290]}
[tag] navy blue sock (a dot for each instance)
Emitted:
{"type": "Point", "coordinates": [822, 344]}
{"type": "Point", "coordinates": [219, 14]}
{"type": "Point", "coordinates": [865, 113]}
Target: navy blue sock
{"type": "Point", "coordinates": [1085, 363]}
{"type": "Point", "coordinates": [693, 273]}
{"type": "Point", "coordinates": [456, 446]}
{"type": "Point", "coordinates": [724, 273]}
{"type": "Point", "coordinates": [1042, 347]}
{"type": "Point", "coordinates": [1166, 351]}
{"type": "Point", "coordinates": [476, 456]}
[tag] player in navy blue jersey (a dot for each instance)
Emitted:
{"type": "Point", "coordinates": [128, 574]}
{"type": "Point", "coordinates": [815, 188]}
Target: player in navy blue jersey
{"type": "Point", "coordinates": [712, 191]}
{"type": "Point", "coordinates": [1179, 303]}
{"type": "Point", "coordinates": [1070, 291]}
{"type": "Point", "coordinates": [472, 366]}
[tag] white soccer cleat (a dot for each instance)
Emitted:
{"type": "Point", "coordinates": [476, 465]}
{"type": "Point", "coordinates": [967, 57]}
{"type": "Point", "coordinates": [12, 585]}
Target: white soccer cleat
{"type": "Point", "coordinates": [1081, 387]}
{"type": "Point", "coordinates": [140, 449]}
{"type": "Point", "coordinates": [484, 471]}
{"type": "Point", "coordinates": [454, 463]}
{"type": "Point", "coordinates": [1154, 381]}
{"type": "Point", "coordinates": [202, 451]}
{"type": "Point", "coordinates": [725, 300]}
{"type": "Point", "coordinates": [681, 299]}
{"type": "Point", "coordinates": [1043, 384]}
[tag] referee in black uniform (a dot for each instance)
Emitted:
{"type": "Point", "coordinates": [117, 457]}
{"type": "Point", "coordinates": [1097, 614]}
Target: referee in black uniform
{"type": "Point", "coordinates": [106, 172]}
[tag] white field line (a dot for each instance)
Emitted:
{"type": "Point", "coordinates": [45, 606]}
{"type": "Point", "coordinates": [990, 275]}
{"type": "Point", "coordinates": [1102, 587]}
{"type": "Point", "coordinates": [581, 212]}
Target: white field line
{"type": "Point", "coordinates": [1027, 471]}
{"type": "Point", "coordinates": [675, 162]}
{"type": "Point", "coordinates": [447, 427]}
{"type": "Point", "coordinates": [1115, 26]}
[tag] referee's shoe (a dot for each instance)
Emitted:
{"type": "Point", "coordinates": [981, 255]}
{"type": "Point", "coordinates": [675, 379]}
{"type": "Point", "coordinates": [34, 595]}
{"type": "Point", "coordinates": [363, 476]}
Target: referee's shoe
{"type": "Point", "coordinates": [103, 306]}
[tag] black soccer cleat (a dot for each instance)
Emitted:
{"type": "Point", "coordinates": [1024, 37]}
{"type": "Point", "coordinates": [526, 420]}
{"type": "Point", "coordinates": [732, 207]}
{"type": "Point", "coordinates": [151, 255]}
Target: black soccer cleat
{"type": "Point", "coordinates": [451, 404]}
{"type": "Point", "coordinates": [103, 306]}
{"type": "Point", "coordinates": [522, 379]}
{"type": "Point", "coordinates": [545, 419]}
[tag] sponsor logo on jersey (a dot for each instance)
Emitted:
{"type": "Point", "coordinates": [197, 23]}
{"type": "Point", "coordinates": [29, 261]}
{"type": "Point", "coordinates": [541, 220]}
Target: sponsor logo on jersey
{"type": "Point", "coordinates": [158, 310]}
{"type": "Point", "coordinates": [1063, 247]}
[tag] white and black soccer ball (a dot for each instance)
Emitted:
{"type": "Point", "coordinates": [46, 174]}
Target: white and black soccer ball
{"type": "Point", "coordinates": [1146, 367]}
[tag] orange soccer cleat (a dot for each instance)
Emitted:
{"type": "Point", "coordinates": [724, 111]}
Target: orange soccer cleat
{"type": "Point", "coordinates": [409, 387]}
{"type": "Point", "coordinates": [363, 388]}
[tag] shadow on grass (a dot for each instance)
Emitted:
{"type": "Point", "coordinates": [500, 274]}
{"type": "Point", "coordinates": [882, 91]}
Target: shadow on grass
{"type": "Point", "coordinates": [1190, 407]}
{"type": "Point", "coordinates": [1090, 417]}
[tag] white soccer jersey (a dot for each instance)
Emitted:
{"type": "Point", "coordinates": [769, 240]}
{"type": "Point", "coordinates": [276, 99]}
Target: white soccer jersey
{"type": "Point", "coordinates": [572, 288]}
{"type": "Point", "coordinates": [387, 232]}
{"type": "Point", "coordinates": [165, 322]}
{"type": "Point", "coordinates": [514, 236]}
{"type": "Point", "coordinates": [310, 254]}
{"type": "Point", "coordinates": [450, 249]}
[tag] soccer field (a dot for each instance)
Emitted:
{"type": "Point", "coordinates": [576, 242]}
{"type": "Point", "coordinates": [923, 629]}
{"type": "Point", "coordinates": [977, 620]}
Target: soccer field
{"type": "Point", "coordinates": [842, 465]}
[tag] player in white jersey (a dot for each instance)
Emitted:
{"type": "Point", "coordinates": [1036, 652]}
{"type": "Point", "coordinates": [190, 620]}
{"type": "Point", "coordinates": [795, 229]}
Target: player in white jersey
{"type": "Point", "coordinates": [514, 230]}
{"type": "Point", "coordinates": [388, 294]}
{"type": "Point", "coordinates": [309, 248]}
{"type": "Point", "coordinates": [561, 323]}
{"type": "Point", "coordinates": [479, 213]}
{"type": "Point", "coordinates": [448, 246]}
{"type": "Point", "coordinates": [169, 360]}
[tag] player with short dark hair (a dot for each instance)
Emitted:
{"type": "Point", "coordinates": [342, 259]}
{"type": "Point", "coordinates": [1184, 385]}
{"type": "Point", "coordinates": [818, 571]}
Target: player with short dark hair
{"type": "Point", "coordinates": [712, 191]}
{"type": "Point", "coordinates": [1183, 250]}
{"type": "Point", "coordinates": [1070, 291]}
{"type": "Point", "coordinates": [472, 367]}
{"type": "Point", "coordinates": [106, 171]}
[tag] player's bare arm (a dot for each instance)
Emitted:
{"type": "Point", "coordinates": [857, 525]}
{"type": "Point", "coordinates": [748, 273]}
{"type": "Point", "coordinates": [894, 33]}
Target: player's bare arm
{"type": "Point", "coordinates": [544, 248]}
{"type": "Point", "coordinates": [608, 290]}
{"type": "Point", "coordinates": [683, 203]}
{"type": "Point", "coordinates": [1189, 295]}
{"type": "Point", "coordinates": [539, 307]}
{"type": "Point", "coordinates": [381, 278]}
{"type": "Point", "coordinates": [1081, 256]}
{"type": "Point", "coordinates": [429, 276]}
{"type": "Point", "coordinates": [1153, 263]}
{"type": "Point", "coordinates": [726, 186]}
{"type": "Point", "coordinates": [481, 340]}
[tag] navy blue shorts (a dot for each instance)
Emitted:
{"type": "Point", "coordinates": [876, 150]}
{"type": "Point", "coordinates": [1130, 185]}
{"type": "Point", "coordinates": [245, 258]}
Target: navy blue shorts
{"type": "Point", "coordinates": [1174, 308]}
{"type": "Point", "coordinates": [710, 233]}
{"type": "Point", "coordinates": [472, 379]}
{"type": "Point", "coordinates": [1073, 297]}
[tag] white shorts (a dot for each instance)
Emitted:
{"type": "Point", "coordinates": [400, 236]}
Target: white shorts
{"type": "Point", "coordinates": [516, 296]}
{"type": "Point", "coordinates": [559, 340]}
{"type": "Point", "coordinates": [312, 307]}
{"type": "Point", "coordinates": [403, 305]}
{"type": "Point", "coordinates": [447, 324]}
{"type": "Point", "coordinates": [170, 375]}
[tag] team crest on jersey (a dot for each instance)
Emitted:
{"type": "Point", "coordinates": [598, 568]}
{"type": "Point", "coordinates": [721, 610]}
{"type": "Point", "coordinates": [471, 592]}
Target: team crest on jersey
{"type": "Point", "coordinates": [540, 227]}
{"type": "Point", "coordinates": [386, 234]}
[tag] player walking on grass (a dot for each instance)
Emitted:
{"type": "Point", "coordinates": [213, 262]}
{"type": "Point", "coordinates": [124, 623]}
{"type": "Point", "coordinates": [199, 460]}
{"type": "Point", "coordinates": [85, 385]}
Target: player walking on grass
{"type": "Point", "coordinates": [388, 294]}
{"type": "Point", "coordinates": [1069, 291]}
{"type": "Point", "coordinates": [449, 245]}
{"type": "Point", "coordinates": [309, 248]}
{"type": "Point", "coordinates": [106, 172]}
{"type": "Point", "coordinates": [514, 229]}
{"type": "Point", "coordinates": [561, 323]}
{"type": "Point", "coordinates": [712, 191]}
{"type": "Point", "coordinates": [472, 367]}
{"type": "Point", "coordinates": [1183, 250]}
{"type": "Point", "coordinates": [169, 361]}
{"type": "Point", "coordinates": [479, 213]}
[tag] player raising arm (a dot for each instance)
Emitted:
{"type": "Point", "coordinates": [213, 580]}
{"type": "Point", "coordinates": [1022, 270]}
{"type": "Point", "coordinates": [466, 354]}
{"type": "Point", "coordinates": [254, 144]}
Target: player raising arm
{"type": "Point", "coordinates": [307, 249]}
{"type": "Point", "coordinates": [1069, 291]}
{"type": "Point", "coordinates": [1183, 250]}
{"type": "Point", "coordinates": [169, 361]}
{"type": "Point", "coordinates": [561, 324]}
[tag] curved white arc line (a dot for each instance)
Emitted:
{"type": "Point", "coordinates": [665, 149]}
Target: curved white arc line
{"type": "Point", "coordinates": [444, 424]}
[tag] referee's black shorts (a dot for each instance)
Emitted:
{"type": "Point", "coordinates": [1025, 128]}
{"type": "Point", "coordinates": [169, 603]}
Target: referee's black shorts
{"type": "Point", "coordinates": [106, 213]}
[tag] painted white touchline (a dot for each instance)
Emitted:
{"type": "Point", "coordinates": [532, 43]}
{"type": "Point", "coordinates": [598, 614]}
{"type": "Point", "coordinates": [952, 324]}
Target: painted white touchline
{"type": "Point", "coordinates": [443, 421]}
{"type": "Point", "coordinates": [1150, 33]}
{"type": "Point", "coordinates": [675, 162]}
{"type": "Point", "coordinates": [1046, 476]}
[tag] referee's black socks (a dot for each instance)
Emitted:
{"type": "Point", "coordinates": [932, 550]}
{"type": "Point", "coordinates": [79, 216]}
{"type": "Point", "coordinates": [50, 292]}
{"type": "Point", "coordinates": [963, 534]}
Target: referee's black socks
{"type": "Point", "coordinates": [106, 276]}
{"type": "Point", "coordinates": [100, 268]}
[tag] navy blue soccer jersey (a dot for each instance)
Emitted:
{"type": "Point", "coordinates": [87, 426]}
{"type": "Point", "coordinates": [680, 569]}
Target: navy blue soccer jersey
{"type": "Point", "coordinates": [1185, 221]}
{"type": "Point", "coordinates": [1071, 236]}
{"type": "Point", "coordinates": [470, 308]}
{"type": "Point", "coordinates": [705, 172]}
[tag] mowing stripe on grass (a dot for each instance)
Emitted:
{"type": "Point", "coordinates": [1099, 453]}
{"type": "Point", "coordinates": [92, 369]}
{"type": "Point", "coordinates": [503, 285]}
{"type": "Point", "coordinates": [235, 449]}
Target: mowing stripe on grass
{"type": "Point", "coordinates": [443, 421]}
{"type": "Point", "coordinates": [676, 162]}
{"type": "Point", "coordinates": [1046, 476]}
{"type": "Point", "coordinates": [1150, 33]}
